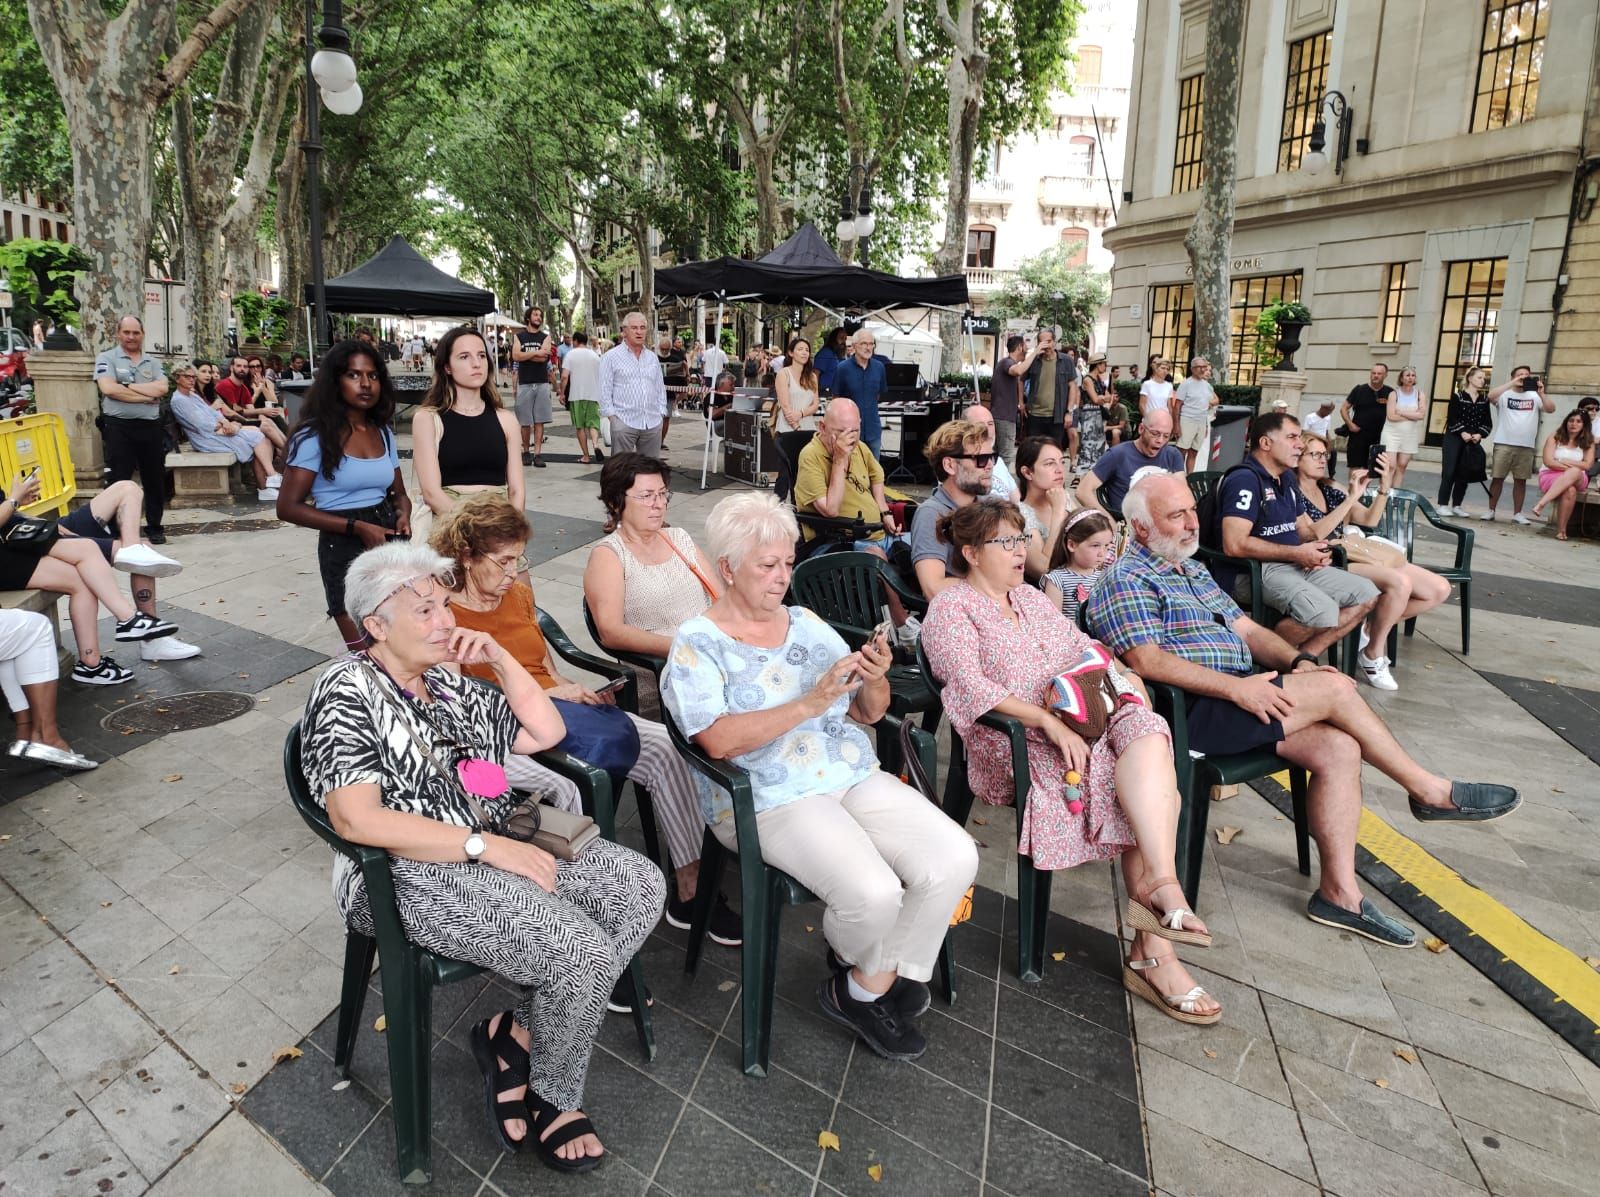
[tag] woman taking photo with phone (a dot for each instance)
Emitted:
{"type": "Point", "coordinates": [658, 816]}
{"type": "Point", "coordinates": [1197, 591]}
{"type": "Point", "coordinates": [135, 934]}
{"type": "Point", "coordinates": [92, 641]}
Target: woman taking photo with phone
{"type": "Point", "coordinates": [343, 477]}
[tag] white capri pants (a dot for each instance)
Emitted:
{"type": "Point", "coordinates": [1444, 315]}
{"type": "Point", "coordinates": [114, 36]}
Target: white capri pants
{"type": "Point", "coordinates": [890, 866]}
{"type": "Point", "coordinates": [27, 654]}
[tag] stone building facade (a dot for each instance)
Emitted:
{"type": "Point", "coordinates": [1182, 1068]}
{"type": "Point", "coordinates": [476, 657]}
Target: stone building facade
{"type": "Point", "coordinates": [1455, 231]}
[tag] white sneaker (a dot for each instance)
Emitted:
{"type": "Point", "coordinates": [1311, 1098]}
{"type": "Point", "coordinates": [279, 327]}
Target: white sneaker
{"type": "Point", "coordinates": [275, 481]}
{"type": "Point", "coordinates": [168, 648]}
{"type": "Point", "coordinates": [1377, 673]}
{"type": "Point", "coordinates": [1519, 518]}
{"type": "Point", "coordinates": [267, 495]}
{"type": "Point", "coordinates": [1488, 515]}
{"type": "Point", "coordinates": [1449, 511]}
{"type": "Point", "coordinates": [908, 632]}
{"type": "Point", "coordinates": [142, 559]}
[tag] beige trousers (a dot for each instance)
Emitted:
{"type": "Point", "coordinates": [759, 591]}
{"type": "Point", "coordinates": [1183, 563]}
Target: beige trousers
{"type": "Point", "coordinates": [889, 865]}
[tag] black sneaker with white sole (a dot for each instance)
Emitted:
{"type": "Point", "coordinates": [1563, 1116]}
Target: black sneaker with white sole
{"type": "Point", "coordinates": [144, 627]}
{"type": "Point", "coordinates": [107, 673]}
{"type": "Point", "coordinates": [726, 927]}
{"type": "Point", "coordinates": [911, 998]}
{"type": "Point", "coordinates": [621, 999]}
{"type": "Point", "coordinates": [880, 1024]}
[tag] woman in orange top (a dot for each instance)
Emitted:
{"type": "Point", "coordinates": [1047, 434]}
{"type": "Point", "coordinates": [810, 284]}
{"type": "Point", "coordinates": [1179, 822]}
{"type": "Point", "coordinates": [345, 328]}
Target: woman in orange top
{"type": "Point", "coordinates": [486, 537]}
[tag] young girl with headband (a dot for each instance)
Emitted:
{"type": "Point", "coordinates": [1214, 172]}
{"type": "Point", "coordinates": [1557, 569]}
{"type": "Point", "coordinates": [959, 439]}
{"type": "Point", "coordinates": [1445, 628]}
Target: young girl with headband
{"type": "Point", "coordinates": [1079, 559]}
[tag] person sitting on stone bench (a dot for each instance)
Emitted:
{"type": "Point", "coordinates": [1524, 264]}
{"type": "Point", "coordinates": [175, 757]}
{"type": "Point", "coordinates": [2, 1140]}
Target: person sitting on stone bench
{"type": "Point", "coordinates": [79, 565]}
{"type": "Point", "coordinates": [1164, 615]}
{"type": "Point", "coordinates": [209, 431]}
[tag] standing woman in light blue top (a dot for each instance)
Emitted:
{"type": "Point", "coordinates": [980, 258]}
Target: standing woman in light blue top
{"type": "Point", "coordinates": [343, 473]}
{"type": "Point", "coordinates": [774, 690]}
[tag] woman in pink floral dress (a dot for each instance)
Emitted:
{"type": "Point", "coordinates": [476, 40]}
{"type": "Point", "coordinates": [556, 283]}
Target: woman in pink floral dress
{"type": "Point", "coordinates": [998, 643]}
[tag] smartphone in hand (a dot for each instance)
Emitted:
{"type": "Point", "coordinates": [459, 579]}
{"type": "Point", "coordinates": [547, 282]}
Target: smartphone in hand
{"type": "Point", "coordinates": [612, 687]}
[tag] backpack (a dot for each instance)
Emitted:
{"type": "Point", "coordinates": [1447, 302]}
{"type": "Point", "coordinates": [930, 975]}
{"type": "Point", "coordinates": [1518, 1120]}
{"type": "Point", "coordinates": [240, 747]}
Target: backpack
{"type": "Point", "coordinates": [1206, 512]}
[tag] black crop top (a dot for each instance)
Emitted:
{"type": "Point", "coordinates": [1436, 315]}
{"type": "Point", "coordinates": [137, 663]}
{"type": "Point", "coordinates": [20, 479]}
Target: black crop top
{"type": "Point", "coordinates": [472, 449]}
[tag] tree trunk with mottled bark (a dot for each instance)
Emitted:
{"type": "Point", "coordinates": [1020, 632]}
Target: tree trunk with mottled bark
{"type": "Point", "coordinates": [1210, 237]}
{"type": "Point", "coordinates": [294, 248]}
{"type": "Point", "coordinates": [110, 73]}
{"type": "Point", "coordinates": [964, 76]}
{"type": "Point", "coordinates": [241, 224]}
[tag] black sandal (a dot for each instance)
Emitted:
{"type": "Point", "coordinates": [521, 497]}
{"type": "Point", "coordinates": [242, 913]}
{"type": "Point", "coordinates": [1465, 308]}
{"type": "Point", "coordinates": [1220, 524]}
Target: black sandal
{"type": "Point", "coordinates": [542, 1113]}
{"type": "Point", "coordinates": [491, 1053]}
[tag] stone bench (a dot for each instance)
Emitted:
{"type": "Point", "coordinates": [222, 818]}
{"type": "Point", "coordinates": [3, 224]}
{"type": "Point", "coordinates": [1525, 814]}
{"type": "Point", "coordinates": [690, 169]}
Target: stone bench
{"type": "Point", "coordinates": [207, 477]}
{"type": "Point", "coordinates": [1585, 522]}
{"type": "Point", "coordinates": [46, 604]}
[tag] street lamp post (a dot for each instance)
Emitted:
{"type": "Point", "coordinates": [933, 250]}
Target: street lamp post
{"type": "Point", "coordinates": [1316, 156]}
{"type": "Point", "coordinates": [332, 71]}
{"type": "Point", "coordinates": [857, 225]}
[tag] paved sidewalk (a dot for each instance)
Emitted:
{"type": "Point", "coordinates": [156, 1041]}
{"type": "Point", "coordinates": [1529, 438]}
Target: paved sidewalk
{"type": "Point", "coordinates": [166, 927]}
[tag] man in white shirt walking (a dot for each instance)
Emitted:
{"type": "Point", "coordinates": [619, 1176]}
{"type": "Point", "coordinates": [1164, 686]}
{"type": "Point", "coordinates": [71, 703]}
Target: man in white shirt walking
{"type": "Point", "coordinates": [633, 392]}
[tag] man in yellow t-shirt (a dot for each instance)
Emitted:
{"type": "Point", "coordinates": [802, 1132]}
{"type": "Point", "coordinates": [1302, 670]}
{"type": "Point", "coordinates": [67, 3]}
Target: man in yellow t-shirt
{"type": "Point", "coordinates": [837, 475]}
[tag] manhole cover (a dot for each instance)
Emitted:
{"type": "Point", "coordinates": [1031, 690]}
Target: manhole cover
{"type": "Point", "coordinates": [178, 712]}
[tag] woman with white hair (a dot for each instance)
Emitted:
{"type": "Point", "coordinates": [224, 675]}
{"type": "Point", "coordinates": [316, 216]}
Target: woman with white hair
{"type": "Point", "coordinates": [403, 752]}
{"type": "Point", "coordinates": [773, 690]}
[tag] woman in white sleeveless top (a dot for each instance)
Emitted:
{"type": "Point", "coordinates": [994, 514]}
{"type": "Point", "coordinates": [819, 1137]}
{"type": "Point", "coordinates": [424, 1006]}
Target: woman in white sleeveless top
{"type": "Point", "coordinates": [644, 579]}
{"type": "Point", "coordinates": [1408, 407]}
{"type": "Point", "coordinates": [796, 385]}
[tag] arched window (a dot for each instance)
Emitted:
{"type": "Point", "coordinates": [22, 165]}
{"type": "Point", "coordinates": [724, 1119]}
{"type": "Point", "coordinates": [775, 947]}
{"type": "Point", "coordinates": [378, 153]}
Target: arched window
{"type": "Point", "coordinates": [1076, 242]}
{"type": "Point", "coordinates": [980, 246]}
{"type": "Point", "coordinates": [1080, 156]}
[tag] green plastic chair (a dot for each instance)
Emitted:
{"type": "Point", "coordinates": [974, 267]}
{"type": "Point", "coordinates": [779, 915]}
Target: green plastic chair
{"type": "Point", "coordinates": [764, 892]}
{"type": "Point", "coordinates": [411, 973]}
{"type": "Point", "coordinates": [1399, 524]}
{"type": "Point", "coordinates": [1033, 885]}
{"type": "Point", "coordinates": [651, 665]}
{"type": "Point", "coordinates": [845, 590]}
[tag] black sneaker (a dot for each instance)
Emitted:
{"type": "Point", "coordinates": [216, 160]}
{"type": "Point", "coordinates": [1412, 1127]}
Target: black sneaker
{"type": "Point", "coordinates": [880, 1024]}
{"type": "Point", "coordinates": [527, 458]}
{"type": "Point", "coordinates": [598, 455]}
{"type": "Point", "coordinates": [107, 673]}
{"type": "Point", "coordinates": [156, 536]}
{"type": "Point", "coordinates": [621, 999]}
{"type": "Point", "coordinates": [144, 627]}
{"type": "Point", "coordinates": [726, 927]}
{"type": "Point", "coordinates": [911, 998]}
{"type": "Point", "coordinates": [538, 461]}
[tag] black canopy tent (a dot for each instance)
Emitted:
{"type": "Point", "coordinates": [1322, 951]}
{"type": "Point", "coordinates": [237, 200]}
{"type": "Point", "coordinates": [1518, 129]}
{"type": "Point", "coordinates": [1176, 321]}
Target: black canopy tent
{"type": "Point", "coordinates": [805, 270]}
{"type": "Point", "coordinates": [398, 281]}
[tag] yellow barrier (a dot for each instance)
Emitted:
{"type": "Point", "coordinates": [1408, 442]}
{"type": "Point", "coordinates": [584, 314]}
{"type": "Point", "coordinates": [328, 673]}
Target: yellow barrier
{"type": "Point", "coordinates": [41, 440]}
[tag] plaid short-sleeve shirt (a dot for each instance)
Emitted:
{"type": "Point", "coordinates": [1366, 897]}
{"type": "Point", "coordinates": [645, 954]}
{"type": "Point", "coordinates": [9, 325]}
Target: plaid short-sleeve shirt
{"type": "Point", "coordinates": [1145, 599]}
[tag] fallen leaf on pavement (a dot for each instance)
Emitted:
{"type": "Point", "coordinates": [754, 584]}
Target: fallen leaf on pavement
{"type": "Point", "coordinates": [1381, 1082]}
{"type": "Point", "coordinates": [1557, 790]}
{"type": "Point", "coordinates": [828, 1141]}
{"type": "Point", "coordinates": [1406, 1054]}
{"type": "Point", "coordinates": [287, 1053]}
{"type": "Point", "coordinates": [1435, 945]}
{"type": "Point", "coordinates": [1058, 955]}
{"type": "Point", "coordinates": [103, 905]}
{"type": "Point", "coordinates": [1225, 835]}
{"type": "Point", "coordinates": [1552, 681]}
{"type": "Point", "coordinates": [724, 986]}
{"type": "Point", "coordinates": [382, 1024]}
{"type": "Point", "coordinates": [239, 1087]}
{"type": "Point", "coordinates": [341, 1086]}
{"type": "Point", "coordinates": [981, 822]}
{"type": "Point", "coordinates": [1210, 1055]}
{"type": "Point", "coordinates": [173, 777]}
{"type": "Point", "coordinates": [876, 1172]}
{"type": "Point", "coordinates": [174, 970]}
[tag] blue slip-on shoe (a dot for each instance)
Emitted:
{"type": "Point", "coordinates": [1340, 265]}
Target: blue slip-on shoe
{"type": "Point", "coordinates": [1369, 921]}
{"type": "Point", "coordinates": [1473, 801]}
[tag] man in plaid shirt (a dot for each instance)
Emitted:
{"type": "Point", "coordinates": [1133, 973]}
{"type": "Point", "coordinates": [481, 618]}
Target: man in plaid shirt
{"type": "Point", "coordinates": [1164, 615]}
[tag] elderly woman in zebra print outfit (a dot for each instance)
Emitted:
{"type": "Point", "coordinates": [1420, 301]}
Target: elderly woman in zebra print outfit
{"type": "Point", "coordinates": [565, 930]}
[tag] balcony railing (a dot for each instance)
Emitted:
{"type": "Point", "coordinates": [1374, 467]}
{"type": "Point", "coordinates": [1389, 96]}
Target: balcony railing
{"type": "Point", "coordinates": [1076, 191]}
{"type": "Point", "coordinates": [1001, 187]}
{"type": "Point", "coordinates": [987, 278]}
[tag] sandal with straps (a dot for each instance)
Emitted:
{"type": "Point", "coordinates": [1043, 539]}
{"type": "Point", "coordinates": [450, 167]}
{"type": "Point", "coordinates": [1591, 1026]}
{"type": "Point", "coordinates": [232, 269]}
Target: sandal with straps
{"type": "Point", "coordinates": [1182, 1006]}
{"type": "Point", "coordinates": [504, 1064]}
{"type": "Point", "coordinates": [542, 1113]}
{"type": "Point", "coordinates": [1142, 916]}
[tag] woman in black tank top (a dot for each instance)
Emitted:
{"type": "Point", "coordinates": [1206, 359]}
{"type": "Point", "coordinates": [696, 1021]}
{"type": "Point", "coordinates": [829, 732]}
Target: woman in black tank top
{"type": "Point", "coordinates": [463, 441]}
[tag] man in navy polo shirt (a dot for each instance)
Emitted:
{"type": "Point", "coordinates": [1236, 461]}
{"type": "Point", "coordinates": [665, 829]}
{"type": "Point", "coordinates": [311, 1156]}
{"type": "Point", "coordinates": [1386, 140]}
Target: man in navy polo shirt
{"type": "Point", "coordinates": [1261, 519]}
{"type": "Point", "coordinates": [862, 377]}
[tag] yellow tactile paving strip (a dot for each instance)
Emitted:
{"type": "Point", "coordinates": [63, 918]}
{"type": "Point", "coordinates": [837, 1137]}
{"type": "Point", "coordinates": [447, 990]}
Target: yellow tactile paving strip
{"type": "Point", "coordinates": [1570, 981]}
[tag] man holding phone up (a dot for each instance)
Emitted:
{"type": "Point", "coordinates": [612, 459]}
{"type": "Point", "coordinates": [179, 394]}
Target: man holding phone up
{"type": "Point", "coordinates": [1260, 518]}
{"type": "Point", "coordinates": [1516, 432]}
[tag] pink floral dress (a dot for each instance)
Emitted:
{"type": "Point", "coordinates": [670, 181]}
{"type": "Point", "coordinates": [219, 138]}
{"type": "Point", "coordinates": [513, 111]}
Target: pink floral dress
{"type": "Point", "coordinates": [987, 658]}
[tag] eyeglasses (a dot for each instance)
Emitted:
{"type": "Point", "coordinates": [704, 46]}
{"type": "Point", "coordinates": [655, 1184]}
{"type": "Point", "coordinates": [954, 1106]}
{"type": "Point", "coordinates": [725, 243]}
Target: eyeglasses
{"type": "Point", "coordinates": [1157, 435]}
{"type": "Point", "coordinates": [510, 567]}
{"type": "Point", "coordinates": [446, 580]}
{"type": "Point", "coordinates": [1009, 543]}
{"type": "Point", "coordinates": [1314, 456]}
{"type": "Point", "coordinates": [978, 459]}
{"type": "Point", "coordinates": [650, 496]}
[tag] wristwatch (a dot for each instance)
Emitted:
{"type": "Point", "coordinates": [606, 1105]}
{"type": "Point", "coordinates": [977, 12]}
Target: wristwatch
{"type": "Point", "coordinates": [1295, 664]}
{"type": "Point", "coordinates": [475, 847]}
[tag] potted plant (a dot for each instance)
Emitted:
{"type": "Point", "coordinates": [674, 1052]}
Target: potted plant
{"type": "Point", "coordinates": [1278, 330]}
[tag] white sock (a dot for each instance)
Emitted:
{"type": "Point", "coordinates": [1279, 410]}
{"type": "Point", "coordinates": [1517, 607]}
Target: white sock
{"type": "Point", "coordinates": [859, 993]}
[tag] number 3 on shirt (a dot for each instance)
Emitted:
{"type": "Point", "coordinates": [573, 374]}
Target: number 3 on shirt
{"type": "Point", "coordinates": [1244, 501]}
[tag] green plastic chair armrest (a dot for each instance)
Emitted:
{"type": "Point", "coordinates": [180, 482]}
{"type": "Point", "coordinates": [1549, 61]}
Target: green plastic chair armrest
{"type": "Point", "coordinates": [593, 783]}
{"type": "Point", "coordinates": [1017, 735]}
{"type": "Point", "coordinates": [555, 635]}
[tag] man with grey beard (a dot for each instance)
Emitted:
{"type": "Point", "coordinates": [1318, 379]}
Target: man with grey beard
{"type": "Point", "coordinates": [1163, 614]}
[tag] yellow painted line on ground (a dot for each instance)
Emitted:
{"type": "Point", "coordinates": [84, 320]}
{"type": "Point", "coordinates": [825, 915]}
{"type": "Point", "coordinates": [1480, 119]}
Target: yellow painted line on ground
{"type": "Point", "coordinates": [1557, 968]}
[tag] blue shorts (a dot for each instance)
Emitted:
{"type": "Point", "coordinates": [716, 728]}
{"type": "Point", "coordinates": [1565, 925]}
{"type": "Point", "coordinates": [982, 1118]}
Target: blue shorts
{"type": "Point", "coordinates": [83, 522]}
{"type": "Point", "coordinates": [882, 545]}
